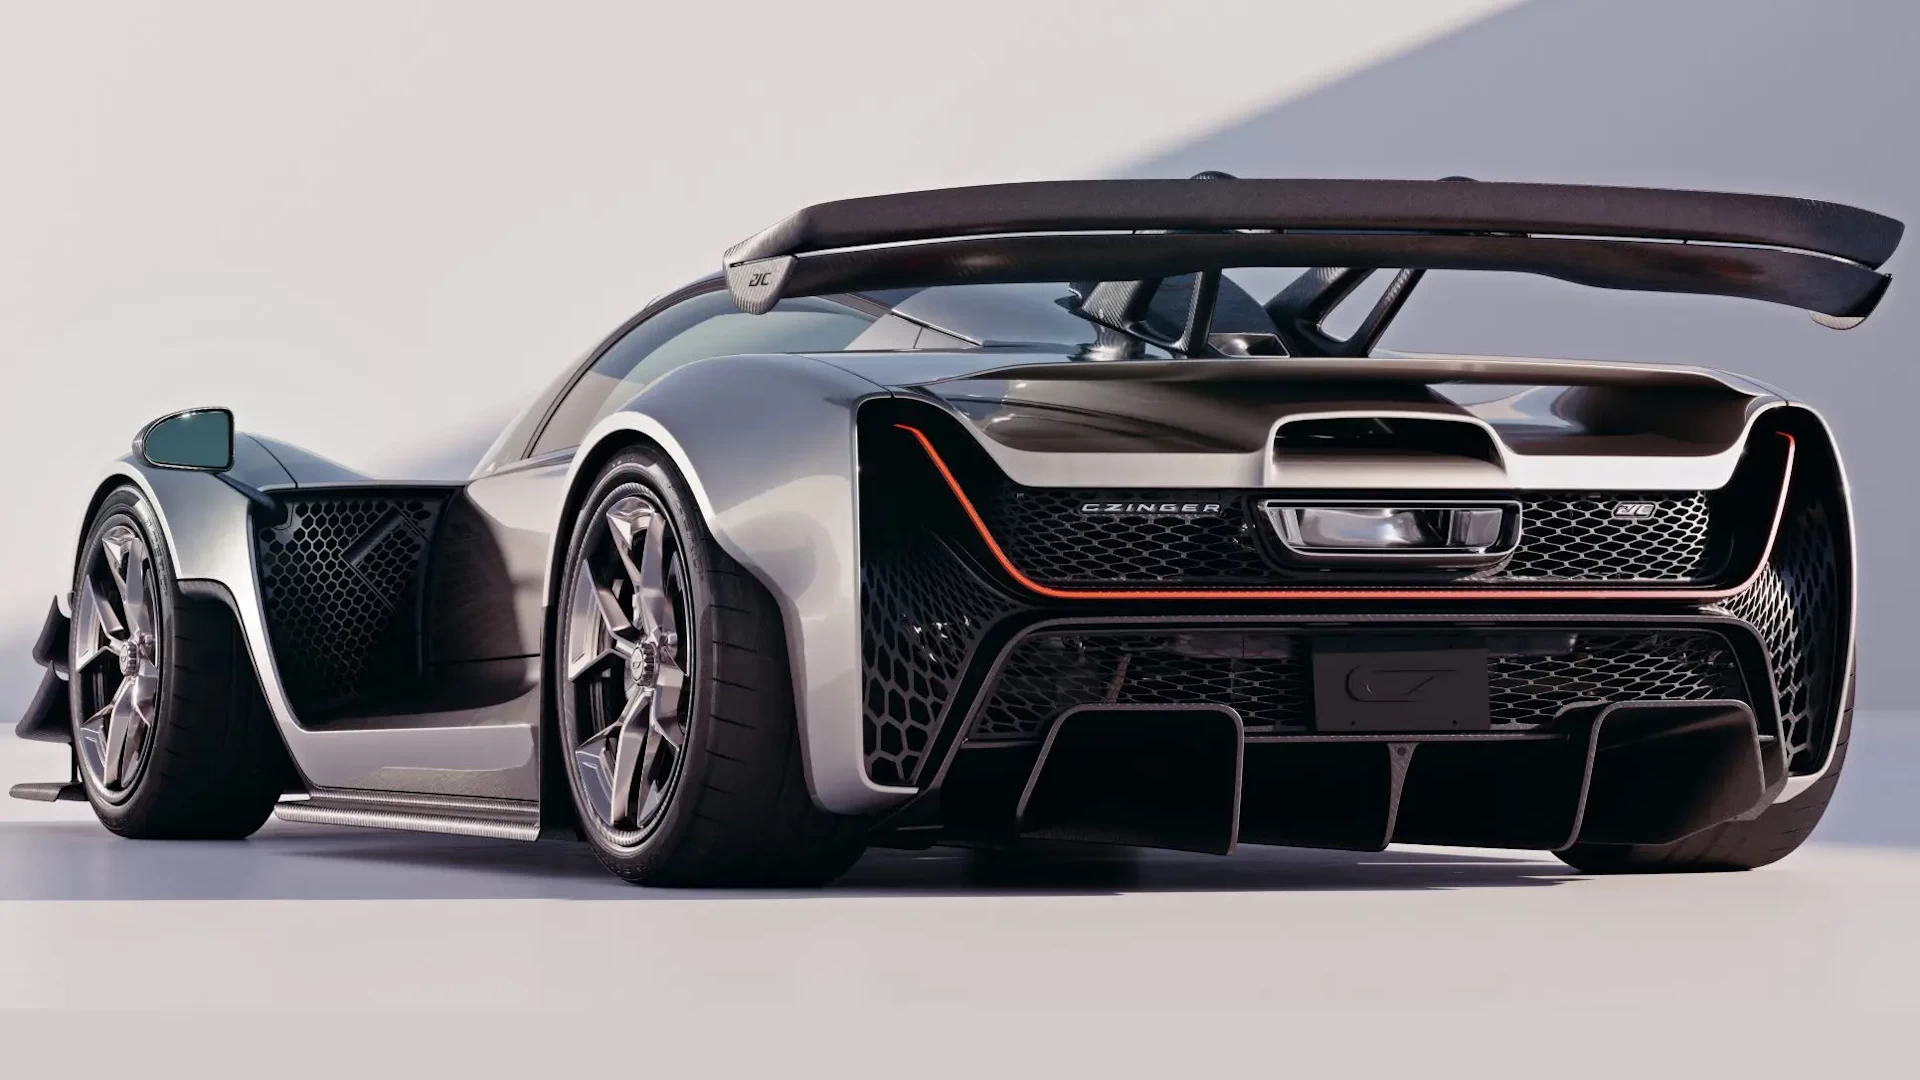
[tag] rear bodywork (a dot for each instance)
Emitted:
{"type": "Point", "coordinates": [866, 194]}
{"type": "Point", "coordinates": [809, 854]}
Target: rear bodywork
{"type": "Point", "coordinates": [1041, 551]}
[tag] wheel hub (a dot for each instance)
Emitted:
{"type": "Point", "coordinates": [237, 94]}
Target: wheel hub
{"type": "Point", "coordinates": [137, 651]}
{"type": "Point", "coordinates": [644, 664]}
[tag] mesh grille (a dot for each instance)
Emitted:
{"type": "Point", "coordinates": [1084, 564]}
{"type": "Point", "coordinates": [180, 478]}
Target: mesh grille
{"type": "Point", "coordinates": [1578, 538]}
{"type": "Point", "coordinates": [1607, 667]}
{"type": "Point", "coordinates": [1795, 606]}
{"type": "Point", "coordinates": [1565, 538]}
{"type": "Point", "coordinates": [1263, 676]}
{"type": "Point", "coordinates": [341, 582]}
{"type": "Point", "coordinates": [1050, 540]}
{"type": "Point", "coordinates": [922, 615]}
{"type": "Point", "coordinates": [1266, 677]}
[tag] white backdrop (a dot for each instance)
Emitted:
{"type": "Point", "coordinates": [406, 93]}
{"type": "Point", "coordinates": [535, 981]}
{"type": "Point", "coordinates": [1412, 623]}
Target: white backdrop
{"type": "Point", "coordinates": [373, 228]}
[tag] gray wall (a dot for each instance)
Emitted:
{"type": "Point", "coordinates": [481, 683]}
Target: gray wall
{"type": "Point", "coordinates": [1797, 97]}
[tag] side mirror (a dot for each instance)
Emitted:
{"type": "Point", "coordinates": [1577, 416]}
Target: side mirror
{"type": "Point", "coordinates": [200, 439]}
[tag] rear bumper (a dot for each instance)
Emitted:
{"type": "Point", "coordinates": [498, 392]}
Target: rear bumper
{"type": "Point", "coordinates": [1554, 683]}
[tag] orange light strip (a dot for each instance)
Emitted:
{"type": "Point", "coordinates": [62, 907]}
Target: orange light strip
{"type": "Point", "coordinates": [1657, 593]}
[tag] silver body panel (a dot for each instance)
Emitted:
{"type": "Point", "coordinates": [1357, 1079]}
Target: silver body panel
{"type": "Point", "coordinates": [767, 446]}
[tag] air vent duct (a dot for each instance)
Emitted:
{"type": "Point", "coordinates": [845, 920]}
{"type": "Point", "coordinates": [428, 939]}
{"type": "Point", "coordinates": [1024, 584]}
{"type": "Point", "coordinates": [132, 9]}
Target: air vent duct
{"type": "Point", "coordinates": [1385, 451]}
{"type": "Point", "coordinates": [1386, 434]}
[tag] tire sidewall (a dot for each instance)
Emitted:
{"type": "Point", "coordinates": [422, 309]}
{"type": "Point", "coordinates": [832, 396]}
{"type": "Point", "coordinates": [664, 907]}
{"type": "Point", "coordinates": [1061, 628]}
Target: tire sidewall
{"type": "Point", "coordinates": [128, 505]}
{"type": "Point", "coordinates": [626, 471]}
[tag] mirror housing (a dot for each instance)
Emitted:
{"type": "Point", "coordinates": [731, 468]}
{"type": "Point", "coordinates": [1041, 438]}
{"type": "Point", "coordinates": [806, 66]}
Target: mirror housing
{"type": "Point", "coordinates": [197, 439]}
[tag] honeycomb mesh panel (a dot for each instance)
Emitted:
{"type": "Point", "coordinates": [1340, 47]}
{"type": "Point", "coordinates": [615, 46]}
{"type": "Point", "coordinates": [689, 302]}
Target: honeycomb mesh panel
{"type": "Point", "coordinates": [1266, 676]}
{"type": "Point", "coordinates": [922, 615]}
{"type": "Point", "coordinates": [1795, 606]}
{"type": "Point", "coordinates": [1565, 537]}
{"type": "Point", "coordinates": [341, 581]}
{"type": "Point", "coordinates": [1047, 536]}
{"type": "Point", "coordinates": [1609, 667]}
{"type": "Point", "coordinates": [1578, 538]}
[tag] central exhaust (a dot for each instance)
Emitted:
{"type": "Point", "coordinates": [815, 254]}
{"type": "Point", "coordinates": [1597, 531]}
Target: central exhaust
{"type": "Point", "coordinates": [1165, 776]}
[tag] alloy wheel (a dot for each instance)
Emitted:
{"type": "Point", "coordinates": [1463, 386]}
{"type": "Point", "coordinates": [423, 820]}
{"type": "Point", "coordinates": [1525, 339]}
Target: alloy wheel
{"type": "Point", "coordinates": [117, 660]}
{"type": "Point", "coordinates": [625, 673]}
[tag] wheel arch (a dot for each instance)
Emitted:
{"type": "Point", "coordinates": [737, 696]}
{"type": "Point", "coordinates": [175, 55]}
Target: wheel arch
{"type": "Point", "coordinates": [122, 475]}
{"type": "Point", "coordinates": [1827, 472]}
{"type": "Point", "coordinates": [778, 496]}
{"type": "Point", "coordinates": [48, 717]}
{"type": "Point", "coordinates": [193, 587]}
{"type": "Point", "coordinates": [595, 453]}
{"type": "Point", "coordinates": [216, 595]}
{"type": "Point", "coordinates": [557, 812]}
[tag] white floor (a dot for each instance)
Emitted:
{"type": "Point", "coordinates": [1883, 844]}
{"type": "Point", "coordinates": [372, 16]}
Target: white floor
{"type": "Point", "coordinates": [1415, 959]}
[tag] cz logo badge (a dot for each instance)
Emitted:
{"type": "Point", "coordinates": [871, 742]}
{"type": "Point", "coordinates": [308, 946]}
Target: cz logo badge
{"type": "Point", "coordinates": [1634, 511]}
{"type": "Point", "coordinates": [1368, 683]}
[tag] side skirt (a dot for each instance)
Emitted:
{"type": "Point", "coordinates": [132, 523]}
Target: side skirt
{"type": "Point", "coordinates": [496, 819]}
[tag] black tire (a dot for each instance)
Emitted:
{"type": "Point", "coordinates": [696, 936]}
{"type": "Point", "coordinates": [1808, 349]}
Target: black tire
{"type": "Point", "coordinates": [739, 812]}
{"type": "Point", "coordinates": [213, 765]}
{"type": "Point", "coordinates": [1735, 845]}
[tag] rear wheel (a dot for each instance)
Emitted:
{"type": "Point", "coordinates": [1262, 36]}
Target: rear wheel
{"type": "Point", "coordinates": [675, 705]}
{"type": "Point", "coordinates": [169, 728]}
{"type": "Point", "coordinates": [1735, 845]}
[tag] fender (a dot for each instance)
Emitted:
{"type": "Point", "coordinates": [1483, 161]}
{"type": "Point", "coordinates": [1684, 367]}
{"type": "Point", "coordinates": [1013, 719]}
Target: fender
{"type": "Point", "coordinates": [1849, 545]}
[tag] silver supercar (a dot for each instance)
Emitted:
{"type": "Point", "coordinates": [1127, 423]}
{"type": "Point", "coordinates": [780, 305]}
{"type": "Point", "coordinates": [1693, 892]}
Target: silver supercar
{"type": "Point", "coordinates": [1018, 513]}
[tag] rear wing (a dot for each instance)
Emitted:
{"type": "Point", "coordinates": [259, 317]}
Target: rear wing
{"type": "Point", "coordinates": [1820, 256]}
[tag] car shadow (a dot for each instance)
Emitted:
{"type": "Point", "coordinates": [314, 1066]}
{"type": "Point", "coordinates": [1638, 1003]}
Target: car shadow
{"type": "Point", "coordinates": [61, 853]}
{"type": "Point", "coordinates": [78, 860]}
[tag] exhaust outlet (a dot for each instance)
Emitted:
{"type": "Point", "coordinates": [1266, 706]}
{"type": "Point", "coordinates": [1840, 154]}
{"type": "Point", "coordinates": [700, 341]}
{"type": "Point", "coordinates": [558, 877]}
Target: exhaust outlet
{"type": "Point", "coordinates": [1165, 776]}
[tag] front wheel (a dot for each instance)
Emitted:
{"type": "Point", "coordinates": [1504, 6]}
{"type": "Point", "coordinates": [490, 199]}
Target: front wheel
{"type": "Point", "coordinates": [674, 704]}
{"type": "Point", "coordinates": [172, 736]}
